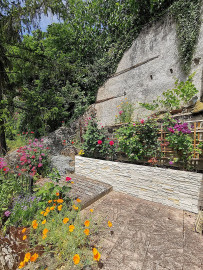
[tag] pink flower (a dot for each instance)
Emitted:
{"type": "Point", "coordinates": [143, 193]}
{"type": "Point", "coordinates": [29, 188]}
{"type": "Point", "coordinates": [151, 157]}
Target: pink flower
{"type": "Point", "coordinates": [42, 140]}
{"type": "Point", "coordinates": [40, 165]}
{"type": "Point", "coordinates": [19, 174]}
{"type": "Point", "coordinates": [171, 162]}
{"type": "Point", "coordinates": [111, 142]}
{"type": "Point", "coordinates": [133, 124]}
{"type": "Point", "coordinates": [142, 121]}
{"type": "Point", "coordinates": [120, 112]}
{"type": "Point", "coordinates": [42, 154]}
{"type": "Point", "coordinates": [68, 178]}
{"type": "Point", "coordinates": [40, 158]}
{"type": "Point", "coordinates": [32, 132]}
{"type": "Point", "coordinates": [99, 142]}
{"type": "Point", "coordinates": [33, 156]}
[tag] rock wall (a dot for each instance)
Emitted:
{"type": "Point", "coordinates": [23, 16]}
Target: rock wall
{"type": "Point", "coordinates": [180, 189]}
{"type": "Point", "coordinates": [146, 70]}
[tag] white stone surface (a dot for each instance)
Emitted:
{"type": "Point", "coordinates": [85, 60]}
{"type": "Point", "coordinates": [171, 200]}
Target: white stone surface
{"type": "Point", "coordinates": [180, 189]}
{"type": "Point", "coordinates": [157, 40]}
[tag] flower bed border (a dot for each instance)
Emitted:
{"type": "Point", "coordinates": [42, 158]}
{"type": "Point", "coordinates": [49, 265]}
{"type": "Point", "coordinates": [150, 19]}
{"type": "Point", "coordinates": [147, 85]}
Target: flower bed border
{"type": "Point", "coordinates": [180, 189]}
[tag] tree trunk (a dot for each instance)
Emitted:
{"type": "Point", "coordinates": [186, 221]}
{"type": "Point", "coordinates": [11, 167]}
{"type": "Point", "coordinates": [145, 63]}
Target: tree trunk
{"type": "Point", "coordinates": [3, 147]}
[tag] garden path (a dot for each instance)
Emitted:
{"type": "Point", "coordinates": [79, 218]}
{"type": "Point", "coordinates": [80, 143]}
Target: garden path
{"type": "Point", "coordinates": [146, 235]}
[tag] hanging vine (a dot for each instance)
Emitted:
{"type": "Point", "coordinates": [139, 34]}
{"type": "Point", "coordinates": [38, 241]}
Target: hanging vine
{"type": "Point", "coordinates": [187, 14]}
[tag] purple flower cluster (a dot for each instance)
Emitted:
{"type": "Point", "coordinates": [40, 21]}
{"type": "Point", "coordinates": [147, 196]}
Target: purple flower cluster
{"type": "Point", "coordinates": [183, 128]}
{"type": "Point", "coordinates": [24, 202]}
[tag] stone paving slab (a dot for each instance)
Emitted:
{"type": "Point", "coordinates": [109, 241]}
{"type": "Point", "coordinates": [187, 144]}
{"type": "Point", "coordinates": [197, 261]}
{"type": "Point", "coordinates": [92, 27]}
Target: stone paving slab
{"type": "Point", "coordinates": [147, 235]}
{"type": "Point", "coordinates": [88, 190]}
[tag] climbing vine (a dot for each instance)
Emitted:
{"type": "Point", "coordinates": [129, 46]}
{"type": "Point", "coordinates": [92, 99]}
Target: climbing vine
{"type": "Point", "coordinates": [187, 14]}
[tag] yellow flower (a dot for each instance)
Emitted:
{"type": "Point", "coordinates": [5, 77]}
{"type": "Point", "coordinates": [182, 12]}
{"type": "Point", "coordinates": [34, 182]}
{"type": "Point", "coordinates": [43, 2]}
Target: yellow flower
{"type": "Point", "coordinates": [34, 224]}
{"type": "Point", "coordinates": [34, 257]}
{"type": "Point", "coordinates": [91, 210]}
{"type": "Point", "coordinates": [46, 213]}
{"type": "Point", "coordinates": [71, 228]}
{"type": "Point", "coordinates": [72, 182]}
{"type": "Point", "coordinates": [87, 231]}
{"type": "Point", "coordinates": [45, 231]}
{"type": "Point", "coordinates": [87, 223]}
{"type": "Point", "coordinates": [42, 213]}
{"type": "Point", "coordinates": [78, 200]}
{"type": "Point", "coordinates": [76, 259]}
{"type": "Point", "coordinates": [52, 208]}
{"type": "Point", "coordinates": [49, 201]}
{"type": "Point", "coordinates": [60, 201]}
{"type": "Point", "coordinates": [24, 230]}
{"type": "Point", "coordinates": [44, 221]}
{"type": "Point", "coordinates": [27, 257]}
{"type": "Point", "coordinates": [22, 264]}
{"type": "Point", "coordinates": [75, 207]}
{"type": "Point", "coordinates": [109, 224]}
{"type": "Point", "coordinates": [24, 237]}
{"type": "Point", "coordinates": [65, 220]}
{"type": "Point", "coordinates": [48, 209]}
{"type": "Point", "coordinates": [44, 236]}
{"type": "Point", "coordinates": [96, 254]}
{"type": "Point", "coordinates": [60, 207]}
{"type": "Point", "coordinates": [81, 152]}
{"type": "Point", "coordinates": [116, 115]}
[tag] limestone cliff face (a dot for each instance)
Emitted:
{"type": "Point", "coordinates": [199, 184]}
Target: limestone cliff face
{"type": "Point", "coordinates": [148, 68]}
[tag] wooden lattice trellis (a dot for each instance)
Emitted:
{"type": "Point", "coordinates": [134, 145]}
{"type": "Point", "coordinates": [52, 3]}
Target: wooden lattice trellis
{"type": "Point", "coordinates": [196, 127]}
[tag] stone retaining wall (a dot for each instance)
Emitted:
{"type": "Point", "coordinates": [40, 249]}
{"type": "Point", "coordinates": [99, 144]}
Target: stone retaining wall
{"type": "Point", "coordinates": [180, 189]}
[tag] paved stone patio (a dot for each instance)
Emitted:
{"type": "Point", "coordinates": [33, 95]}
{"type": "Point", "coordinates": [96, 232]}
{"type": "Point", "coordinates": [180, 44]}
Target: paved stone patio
{"type": "Point", "coordinates": [146, 235]}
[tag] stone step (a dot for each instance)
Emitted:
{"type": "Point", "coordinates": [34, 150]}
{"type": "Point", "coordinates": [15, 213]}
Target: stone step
{"type": "Point", "coordinates": [87, 189]}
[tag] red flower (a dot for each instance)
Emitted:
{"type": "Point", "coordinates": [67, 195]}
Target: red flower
{"type": "Point", "coordinates": [142, 121]}
{"type": "Point", "coordinates": [32, 132]}
{"type": "Point", "coordinates": [111, 142]}
{"type": "Point", "coordinates": [72, 142]}
{"type": "Point", "coordinates": [4, 169]}
{"type": "Point", "coordinates": [99, 142]}
{"type": "Point", "coordinates": [68, 178]}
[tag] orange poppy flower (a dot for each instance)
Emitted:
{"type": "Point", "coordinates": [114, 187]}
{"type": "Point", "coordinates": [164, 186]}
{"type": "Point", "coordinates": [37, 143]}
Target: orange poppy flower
{"type": "Point", "coordinates": [96, 254]}
{"type": "Point", "coordinates": [91, 210]}
{"type": "Point", "coordinates": [27, 257]}
{"type": "Point", "coordinates": [60, 207]}
{"type": "Point", "coordinates": [55, 200]}
{"type": "Point", "coordinates": [109, 224]}
{"type": "Point", "coordinates": [45, 231]}
{"type": "Point", "coordinates": [44, 221]}
{"type": "Point", "coordinates": [34, 257]}
{"type": "Point", "coordinates": [22, 264]}
{"type": "Point", "coordinates": [60, 201]}
{"type": "Point", "coordinates": [24, 230]}
{"type": "Point", "coordinates": [75, 207]}
{"type": "Point", "coordinates": [54, 204]}
{"type": "Point", "coordinates": [87, 223]}
{"type": "Point", "coordinates": [44, 236]}
{"type": "Point", "coordinates": [52, 208]}
{"type": "Point", "coordinates": [24, 237]}
{"type": "Point", "coordinates": [49, 201]}
{"type": "Point", "coordinates": [71, 228]}
{"type": "Point", "coordinates": [76, 259]}
{"type": "Point", "coordinates": [34, 224]}
{"type": "Point", "coordinates": [65, 220]}
{"type": "Point", "coordinates": [87, 231]}
{"type": "Point", "coordinates": [57, 194]}
{"type": "Point", "coordinates": [78, 200]}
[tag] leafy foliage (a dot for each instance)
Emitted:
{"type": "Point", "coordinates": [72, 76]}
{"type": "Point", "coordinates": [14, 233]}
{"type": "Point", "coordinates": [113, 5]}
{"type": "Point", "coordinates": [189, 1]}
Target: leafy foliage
{"type": "Point", "coordinates": [187, 16]}
{"type": "Point", "coordinates": [139, 140]}
{"type": "Point", "coordinates": [174, 98]}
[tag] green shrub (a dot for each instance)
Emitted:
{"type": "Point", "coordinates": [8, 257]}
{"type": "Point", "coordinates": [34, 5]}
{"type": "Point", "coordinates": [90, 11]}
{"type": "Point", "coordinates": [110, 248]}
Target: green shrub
{"type": "Point", "coordinates": [139, 140]}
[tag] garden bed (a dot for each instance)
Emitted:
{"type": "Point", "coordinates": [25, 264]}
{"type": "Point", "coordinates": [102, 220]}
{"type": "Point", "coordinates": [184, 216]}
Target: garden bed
{"type": "Point", "coordinates": [180, 189]}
